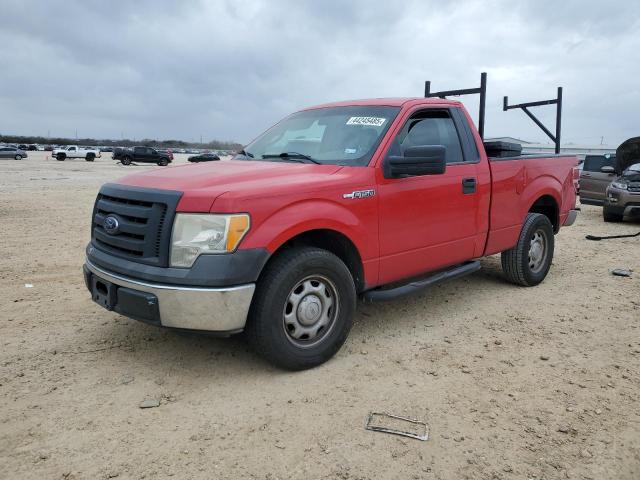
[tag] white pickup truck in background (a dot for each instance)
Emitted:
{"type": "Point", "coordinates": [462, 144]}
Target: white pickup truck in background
{"type": "Point", "coordinates": [74, 151]}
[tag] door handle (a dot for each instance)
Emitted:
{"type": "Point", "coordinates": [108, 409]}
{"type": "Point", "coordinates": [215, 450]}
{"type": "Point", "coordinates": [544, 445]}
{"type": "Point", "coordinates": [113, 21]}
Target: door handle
{"type": "Point", "coordinates": [468, 185]}
{"type": "Point", "coordinates": [586, 174]}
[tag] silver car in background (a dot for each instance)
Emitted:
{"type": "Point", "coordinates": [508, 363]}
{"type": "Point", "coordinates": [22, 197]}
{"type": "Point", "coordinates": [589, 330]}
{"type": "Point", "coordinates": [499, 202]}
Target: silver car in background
{"type": "Point", "coordinates": [12, 152]}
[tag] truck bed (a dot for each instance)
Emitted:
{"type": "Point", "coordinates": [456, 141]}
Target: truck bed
{"type": "Point", "coordinates": [517, 183]}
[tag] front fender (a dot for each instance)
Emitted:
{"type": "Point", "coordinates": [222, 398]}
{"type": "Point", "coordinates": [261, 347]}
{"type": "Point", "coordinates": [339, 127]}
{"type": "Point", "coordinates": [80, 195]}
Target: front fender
{"type": "Point", "coordinates": [299, 217]}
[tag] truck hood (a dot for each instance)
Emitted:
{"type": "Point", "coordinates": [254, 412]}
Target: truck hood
{"type": "Point", "coordinates": [202, 183]}
{"type": "Point", "coordinates": [627, 154]}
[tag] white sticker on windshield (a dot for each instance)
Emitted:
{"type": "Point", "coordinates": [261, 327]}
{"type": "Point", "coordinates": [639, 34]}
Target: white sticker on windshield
{"type": "Point", "coordinates": [372, 121]}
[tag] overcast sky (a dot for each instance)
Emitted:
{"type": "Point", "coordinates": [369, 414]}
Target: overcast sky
{"type": "Point", "coordinates": [229, 69]}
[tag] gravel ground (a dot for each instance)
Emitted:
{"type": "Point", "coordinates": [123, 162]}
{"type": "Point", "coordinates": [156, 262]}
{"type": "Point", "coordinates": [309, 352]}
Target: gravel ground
{"type": "Point", "coordinates": [514, 383]}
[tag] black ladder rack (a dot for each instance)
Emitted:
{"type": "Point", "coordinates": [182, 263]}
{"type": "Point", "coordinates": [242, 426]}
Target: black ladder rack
{"type": "Point", "coordinates": [525, 108]}
{"type": "Point", "coordinates": [481, 90]}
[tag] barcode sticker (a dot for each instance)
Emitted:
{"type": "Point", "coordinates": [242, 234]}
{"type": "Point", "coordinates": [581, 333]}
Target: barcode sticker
{"type": "Point", "coordinates": [370, 121]}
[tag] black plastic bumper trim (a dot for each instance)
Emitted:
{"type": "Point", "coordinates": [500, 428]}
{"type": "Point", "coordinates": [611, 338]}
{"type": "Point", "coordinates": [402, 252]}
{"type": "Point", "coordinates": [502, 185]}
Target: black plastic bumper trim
{"type": "Point", "coordinates": [238, 268]}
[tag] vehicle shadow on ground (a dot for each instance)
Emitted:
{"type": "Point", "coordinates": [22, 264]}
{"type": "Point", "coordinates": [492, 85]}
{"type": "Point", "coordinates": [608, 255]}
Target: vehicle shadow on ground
{"type": "Point", "coordinates": [147, 346]}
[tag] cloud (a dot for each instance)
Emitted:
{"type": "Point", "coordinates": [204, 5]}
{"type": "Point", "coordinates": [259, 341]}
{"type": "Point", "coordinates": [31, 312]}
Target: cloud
{"type": "Point", "coordinates": [229, 69]}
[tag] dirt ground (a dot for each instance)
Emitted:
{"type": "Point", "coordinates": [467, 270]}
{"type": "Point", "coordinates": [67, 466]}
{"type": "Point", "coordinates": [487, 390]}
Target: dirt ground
{"type": "Point", "coordinates": [514, 383]}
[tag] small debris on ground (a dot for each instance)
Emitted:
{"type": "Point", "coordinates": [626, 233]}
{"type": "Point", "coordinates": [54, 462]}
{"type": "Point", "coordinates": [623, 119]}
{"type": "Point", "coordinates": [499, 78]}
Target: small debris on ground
{"type": "Point", "coordinates": [397, 425]}
{"type": "Point", "coordinates": [544, 357]}
{"type": "Point", "coordinates": [150, 403]}
{"type": "Point", "coordinates": [621, 272]}
{"type": "Point", "coordinates": [28, 285]}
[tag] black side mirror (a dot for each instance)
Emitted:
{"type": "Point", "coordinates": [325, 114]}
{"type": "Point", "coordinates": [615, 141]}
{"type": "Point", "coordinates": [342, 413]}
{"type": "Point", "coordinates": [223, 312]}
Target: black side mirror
{"type": "Point", "coordinates": [418, 160]}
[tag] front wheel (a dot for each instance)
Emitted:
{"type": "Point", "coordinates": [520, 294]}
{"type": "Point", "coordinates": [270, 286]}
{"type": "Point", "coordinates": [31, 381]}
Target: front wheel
{"type": "Point", "coordinates": [529, 261]}
{"type": "Point", "coordinates": [18, 157]}
{"type": "Point", "coordinates": [302, 309]}
{"type": "Point", "coordinates": [126, 161]}
{"type": "Point", "coordinates": [163, 162]}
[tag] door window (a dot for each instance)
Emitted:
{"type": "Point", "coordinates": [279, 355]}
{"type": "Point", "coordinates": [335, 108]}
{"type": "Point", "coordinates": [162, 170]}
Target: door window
{"type": "Point", "coordinates": [430, 127]}
{"type": "Point", "coordinates": [593, 163]}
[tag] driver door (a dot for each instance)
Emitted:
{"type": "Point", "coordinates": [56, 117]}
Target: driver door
{"type": "Point", "coordinates": [431, 221]}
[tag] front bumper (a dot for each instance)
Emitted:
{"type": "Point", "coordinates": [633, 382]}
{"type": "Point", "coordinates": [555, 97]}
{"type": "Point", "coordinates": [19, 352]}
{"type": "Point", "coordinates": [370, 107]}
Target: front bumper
{"type": "Point", "coordinates": [220, 310]}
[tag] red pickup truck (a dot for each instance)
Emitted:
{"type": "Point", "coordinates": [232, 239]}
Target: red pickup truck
{"type": "Point", "coordinates": [373, 199]}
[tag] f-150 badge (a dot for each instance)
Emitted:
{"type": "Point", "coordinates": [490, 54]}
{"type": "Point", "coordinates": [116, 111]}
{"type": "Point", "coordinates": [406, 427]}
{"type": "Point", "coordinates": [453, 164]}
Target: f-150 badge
{"type": "Point", "coordinates": [360, 194]}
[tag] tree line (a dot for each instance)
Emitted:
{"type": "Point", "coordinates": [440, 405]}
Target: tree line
{"type": "Point", "coordinates": [147, 142]}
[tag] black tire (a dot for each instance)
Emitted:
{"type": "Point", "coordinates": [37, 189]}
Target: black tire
{"type": "Point", "coordinates": [126, 161]}
{"type": "Point", "coordinates": [18, 157]}
{"type": "Point", "coordinates": [90, 157]}
{"type": "Point", "coordinates": [163, 162]}
{"type": "Point", "coordinates": [524, 266]}
{"type": "Point", "coordinates": [60, 157]}
{"type": "Point", "coordinates": [609, 216]}
{"type": "Point", "coordinates": [281, 343]}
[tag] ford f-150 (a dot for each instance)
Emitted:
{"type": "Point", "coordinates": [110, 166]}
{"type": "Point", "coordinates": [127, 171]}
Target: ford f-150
{"type": "Point", "coordinates": [372, 199]}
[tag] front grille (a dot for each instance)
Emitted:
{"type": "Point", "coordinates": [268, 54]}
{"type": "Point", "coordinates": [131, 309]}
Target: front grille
{"type": "Point", "coordinates": [634, 187]}
{"type": "Point", "coordinates": [144, 219]}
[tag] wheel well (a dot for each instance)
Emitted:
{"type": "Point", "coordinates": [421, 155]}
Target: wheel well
{"type": "Point", "coordinates": [334, 242]}
{"type": "Point", "coordinates": [546, 205]}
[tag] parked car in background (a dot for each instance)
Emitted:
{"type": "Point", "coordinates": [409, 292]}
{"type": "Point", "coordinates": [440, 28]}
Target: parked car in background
{"type": "Point", "coordinates": [622, 196]}
{"type": "Point", "coordinates": [597, 173]}
{"type": "Point", "coordinates": [48, 148]}
{"type": "Point", "coordinates": [204, 157]}
{"type": "Point", "coordinates": [33, 148]}
{"type": "Point", "coordinates": [106, 149]}
{"type": "Point", "coordinates": [167, 152]}
{"type": "Point", "coordinates": [142, 155]}
{"type": "Point", "coordinates": [74, 151]}
{"type": "Point", "coordinates": [12, 152]}
{"type": "Point", "coordinates": [23, 147]}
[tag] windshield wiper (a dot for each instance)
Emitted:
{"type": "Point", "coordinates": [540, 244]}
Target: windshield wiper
{"type": "Point", "coordinates": [293, 156]}
{"type": "Point", "coordinates": [245, 153]}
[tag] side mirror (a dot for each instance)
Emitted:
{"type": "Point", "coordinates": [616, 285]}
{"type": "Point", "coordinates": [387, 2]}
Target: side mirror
{"type": "Point", "coordinates": [607, 169]}
{"type": "Point", "coordinates": [418, 160]}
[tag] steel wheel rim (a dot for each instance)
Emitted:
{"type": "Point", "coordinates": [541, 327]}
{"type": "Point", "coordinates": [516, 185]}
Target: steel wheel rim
{"type": "Point", "coordinates": [537, 251]}
{"type": "Point", "coordinates": [310, 311]}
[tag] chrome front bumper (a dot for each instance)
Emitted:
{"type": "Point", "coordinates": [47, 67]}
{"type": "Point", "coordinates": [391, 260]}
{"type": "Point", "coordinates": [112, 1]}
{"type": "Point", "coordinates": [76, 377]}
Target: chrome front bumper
{"type": "Point", "coordinates": [193, 308]}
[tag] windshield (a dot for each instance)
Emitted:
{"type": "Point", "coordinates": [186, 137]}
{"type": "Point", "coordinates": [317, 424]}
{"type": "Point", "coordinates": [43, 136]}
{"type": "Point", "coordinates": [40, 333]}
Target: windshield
{"type": "Point", "coordinates": [334, 135]}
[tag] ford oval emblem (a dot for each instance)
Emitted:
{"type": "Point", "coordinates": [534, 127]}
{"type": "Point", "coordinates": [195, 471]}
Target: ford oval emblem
{"type": "Point", "coordinates": [111, 225]}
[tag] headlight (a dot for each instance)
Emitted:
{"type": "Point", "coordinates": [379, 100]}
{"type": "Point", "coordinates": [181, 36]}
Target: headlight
{"type": "Point", "coordinates": [621, 186]}
{"type": "Point", "coordinates": [195, 234]}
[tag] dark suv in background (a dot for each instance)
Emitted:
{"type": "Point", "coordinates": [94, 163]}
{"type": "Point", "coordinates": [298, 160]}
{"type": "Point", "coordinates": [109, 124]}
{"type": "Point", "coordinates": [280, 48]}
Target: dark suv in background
{"type": "Point", "coordinates": [622, 195]}
{"type": "Point", "coordinates": [142, 155]}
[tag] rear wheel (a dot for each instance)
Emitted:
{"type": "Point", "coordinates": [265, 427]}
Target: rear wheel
{"type": "Point", "coordinates": [60, 157]}
{"type": "Point", "coordinates": [126, 161]}
{"type": "Point", "coordinates": [90, 157]}
{"type": "Point", "coordinates": [609, 216]}
{"type": "Point", "coordinates": [163, 162]}
{"type": "Point", "coordinates": [529, 261]}
{"type": "Point", "coordinates": [302, 309]}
